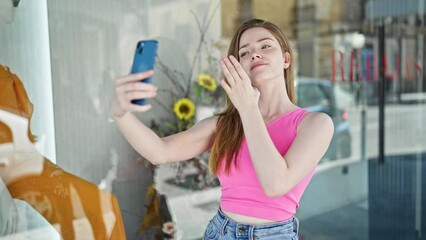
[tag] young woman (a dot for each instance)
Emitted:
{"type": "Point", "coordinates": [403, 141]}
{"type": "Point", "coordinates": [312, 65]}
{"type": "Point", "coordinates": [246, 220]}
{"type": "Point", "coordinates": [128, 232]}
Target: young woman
{"type": "Point", "coordinates": [264, 149]}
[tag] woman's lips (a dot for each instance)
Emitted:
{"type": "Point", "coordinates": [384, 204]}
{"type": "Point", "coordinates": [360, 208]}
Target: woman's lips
{"type": "Point", "coordinates": [257, 65]}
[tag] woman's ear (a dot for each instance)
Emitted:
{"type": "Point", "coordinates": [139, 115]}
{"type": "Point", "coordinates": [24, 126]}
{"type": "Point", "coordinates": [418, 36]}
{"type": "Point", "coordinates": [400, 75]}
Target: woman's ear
{"type": "Point", "coordinates": [287, 60]}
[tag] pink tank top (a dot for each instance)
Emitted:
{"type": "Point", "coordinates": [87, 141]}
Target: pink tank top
{"type": "Point", "coordinates": [241, 190]}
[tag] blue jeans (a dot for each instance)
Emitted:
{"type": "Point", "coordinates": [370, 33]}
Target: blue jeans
{"type": "Point", "coordinates": [222, 227]}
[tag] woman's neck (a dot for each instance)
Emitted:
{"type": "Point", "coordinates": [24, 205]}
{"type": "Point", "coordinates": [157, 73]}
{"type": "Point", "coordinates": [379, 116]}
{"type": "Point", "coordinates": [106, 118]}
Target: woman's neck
{"type": "Point", "coordinates": [273, 102]}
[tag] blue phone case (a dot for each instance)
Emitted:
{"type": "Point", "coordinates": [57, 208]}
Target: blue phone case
{"type": "Point", "coordinates": [144, 59]}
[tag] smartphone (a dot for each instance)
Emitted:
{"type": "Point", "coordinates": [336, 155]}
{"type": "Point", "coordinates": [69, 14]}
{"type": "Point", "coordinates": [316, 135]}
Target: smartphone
{"type": "Point", "coordinates": [144, 60]}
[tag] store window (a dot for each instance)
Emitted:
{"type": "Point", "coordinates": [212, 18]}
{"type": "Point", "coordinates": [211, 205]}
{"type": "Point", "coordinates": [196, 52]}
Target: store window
{"type": "Point", "coordinates": [360, 62]}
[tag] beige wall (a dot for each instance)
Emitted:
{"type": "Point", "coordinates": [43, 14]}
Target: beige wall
{"type": "Point", "coordinates": [230, 11]}
{"type": "Point", "coordinates": [283, 15]}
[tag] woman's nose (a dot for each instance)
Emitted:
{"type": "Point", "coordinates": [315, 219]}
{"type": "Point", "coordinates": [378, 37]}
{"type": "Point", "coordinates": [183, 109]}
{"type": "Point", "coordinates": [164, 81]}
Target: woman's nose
{"type": "Point", "coordinates": [255, 56]}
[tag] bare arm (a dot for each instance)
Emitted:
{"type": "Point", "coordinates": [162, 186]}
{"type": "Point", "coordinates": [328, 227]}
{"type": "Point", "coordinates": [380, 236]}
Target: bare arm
{"type": "Point", "coordinates": [278, 174]}
{"type": "Point", "coordinates": [177, 147]}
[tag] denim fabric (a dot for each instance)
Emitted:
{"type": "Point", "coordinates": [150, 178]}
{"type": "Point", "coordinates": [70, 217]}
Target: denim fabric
{"type": "Point", "coordinates": [223, 228]}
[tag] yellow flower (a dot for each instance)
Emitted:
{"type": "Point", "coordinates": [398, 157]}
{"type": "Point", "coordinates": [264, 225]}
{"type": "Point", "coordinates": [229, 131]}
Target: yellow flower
{"type": "Point", "coordinates": [184, 108]}
{"type": "Point", "coordinates": [207, 82]}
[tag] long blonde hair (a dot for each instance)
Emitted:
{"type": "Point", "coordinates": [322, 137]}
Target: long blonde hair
{"type": "Point", "coordinates": [229, 130]}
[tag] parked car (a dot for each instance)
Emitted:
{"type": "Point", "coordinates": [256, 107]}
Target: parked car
{"type": "Point", "coordinates": [319, 96]}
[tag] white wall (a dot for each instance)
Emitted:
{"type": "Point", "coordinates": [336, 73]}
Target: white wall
{"type": "Point", "coordinates": [24, 42]}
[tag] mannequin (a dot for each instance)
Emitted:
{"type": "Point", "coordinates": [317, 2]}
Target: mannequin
{"type": "Point", "coordinates": [18, 220]}
{"type": "Point", "coordinates": [18, 217]}
{"type": "Point", "coordinates": [20, 158]}
{"type": "Point", "coordinates": [75, 207]}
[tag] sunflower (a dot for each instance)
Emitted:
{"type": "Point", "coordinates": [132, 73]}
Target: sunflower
{"type": "Point", "coordinates": [207, 82]}
{"type": "Point", "coordinates": [184, 108]}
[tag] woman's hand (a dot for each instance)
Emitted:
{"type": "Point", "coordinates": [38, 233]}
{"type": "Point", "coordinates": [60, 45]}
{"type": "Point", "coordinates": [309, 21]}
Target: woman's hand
{"type": "Point", "coordinates": [238, 85]}
{"type": "Point", "coordinates": [128, 88]}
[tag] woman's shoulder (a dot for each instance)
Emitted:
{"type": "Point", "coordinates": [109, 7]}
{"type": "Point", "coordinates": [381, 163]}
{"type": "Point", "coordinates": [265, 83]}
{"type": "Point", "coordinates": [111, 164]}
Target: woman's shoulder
{"type": "Point", "coordinates": [316, 121]}
{"type": "Point", "coordinates": [211, 120]}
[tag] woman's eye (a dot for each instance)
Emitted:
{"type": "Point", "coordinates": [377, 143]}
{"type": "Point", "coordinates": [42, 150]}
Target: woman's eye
{"type": "Point", "coordinates": [243, 54]}
{"type": "Point", "coordinates": [265, 46]}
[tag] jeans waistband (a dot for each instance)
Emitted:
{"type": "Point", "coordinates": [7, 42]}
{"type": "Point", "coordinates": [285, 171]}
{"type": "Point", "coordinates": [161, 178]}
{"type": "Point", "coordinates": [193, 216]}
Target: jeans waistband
{"type": "Point", "coordinates": [231, 223]}
{"type": "Point", "coordinates": [222, 225]}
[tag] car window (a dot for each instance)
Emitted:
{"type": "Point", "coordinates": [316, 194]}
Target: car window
{"type": "Point", "coordinates": [311, 95]}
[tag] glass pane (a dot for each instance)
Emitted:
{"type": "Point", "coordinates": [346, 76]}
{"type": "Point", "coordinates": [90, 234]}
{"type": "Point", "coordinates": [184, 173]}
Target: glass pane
{"type": "Point", "coordinates": [72, 173]}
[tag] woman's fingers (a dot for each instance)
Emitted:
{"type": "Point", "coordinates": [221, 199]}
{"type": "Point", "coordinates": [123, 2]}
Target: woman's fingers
{"type": "Point", "coordinates": [138, 86]}
{"type": "Point", "coordinates": [134, 86]}
{"type": "Point", "coordinates": [238, 68]}
{"type": "Point", "coordinates": [225, 86]}
{"type": "Point", "coordinates": [129, 90]}
{"type": "Point", "coordinates": [140, 91]}
{"type": "Point", "coordinates": [227, 74]}
{"type": "Point", "coordinates": [232, 71]}
{"type": "Point", "coordinates": [140, 95]}
{"type": "Point", "coordinates": [126, 104]}
{"type": "Point", "coordinates": [139, 108]}
{"type": "Point", "coordinates": [133, 77]}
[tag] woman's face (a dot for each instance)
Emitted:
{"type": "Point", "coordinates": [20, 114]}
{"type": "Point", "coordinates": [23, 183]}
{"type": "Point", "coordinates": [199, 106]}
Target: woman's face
{"type": "Point", "coordinates": [260, 55]}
